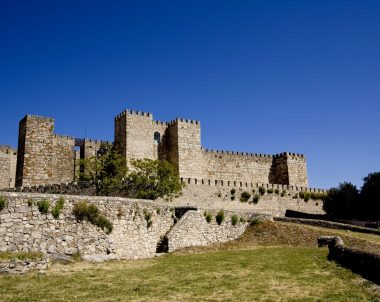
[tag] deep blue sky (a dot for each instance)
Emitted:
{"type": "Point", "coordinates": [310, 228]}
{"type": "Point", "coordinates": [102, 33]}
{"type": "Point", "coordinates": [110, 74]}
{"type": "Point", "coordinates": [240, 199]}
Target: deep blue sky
{"type": "Point", "coordinates": [262, 76]}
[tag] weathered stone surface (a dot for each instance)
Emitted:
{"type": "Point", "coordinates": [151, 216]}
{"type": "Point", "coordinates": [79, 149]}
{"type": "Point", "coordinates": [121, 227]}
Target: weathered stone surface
{"type": "Point", "coordinates": [18, 267]}
{"type": "Point", "coordinates": [8, 159]}
{"type": "Point", "coordinates": [133, 237]}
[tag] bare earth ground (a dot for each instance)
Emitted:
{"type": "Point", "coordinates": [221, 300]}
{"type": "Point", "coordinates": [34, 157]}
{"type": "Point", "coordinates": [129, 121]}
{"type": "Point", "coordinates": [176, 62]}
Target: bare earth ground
{"type": "Point", "coordinates": [272, 261]}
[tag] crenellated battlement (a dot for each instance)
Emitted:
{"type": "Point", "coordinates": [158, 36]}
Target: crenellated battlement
{"type": "Point", "coordinates": [133, 112]}
{"type": "Point", "coordinates": [248, 154]}
{"type": "Point", "coordinates": [248, 185]}
{"type": "Point", "coordinates": [38, 118]}
{"type": "Point", "coordinates": [183, 120]}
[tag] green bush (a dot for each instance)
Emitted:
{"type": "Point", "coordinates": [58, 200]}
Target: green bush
{"type": "Point", "coordinates": [262, 191]}
{"type": "Point", "coordinates": [208, 216]}
{"type": "Point", "coordinates": [219, 217]}
{"type": "Point", "coordinates": [158, 211]}
{"type": "Point", "coordinates": [306, 197]}
{"type": "Point", "coordinates": [58, 207]}
{"type": "Point", "coordinates": [3, 202]}
{"type": "Point", "coordinates": [233, 191]}
{"type": "Point", "coordinates": [301, 194]}
{"type": "Point", "coordinates": [277, 191]}
{"type": "Point", "coordinates": [148, 217]}
{"type": "Point", "coordinates": [82, 210]}
{"type": "Point", "coordinates": [234, 219]}
{"type": "Point", "coordinates": [256, 198]}
{"type": "Point", "coordinates": [242, 220]}
{"type": "Point", "coordinates": [92, 213]}
{"type": "Point", "coordinates": [30, 202]}
{"type": "Point", "coordinates": [270, 191]}
{"type": "Point", "coordinates": [244, 196]}
{"type": "Point", "coordinates": [43, 206]}
{"type": "Point", "coordinates": [103, 223]}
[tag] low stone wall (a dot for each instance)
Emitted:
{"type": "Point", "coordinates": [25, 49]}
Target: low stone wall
{"type": "Point", "coordinates": [24, 228]}
{"type": "Point", "coordinates": [329, 224]}
{"type": "Point", "coordinates": [194, 230]}
{"type": "Point", "coordinates": [17, 266]}
{"type": "Point", "coordinates": [138, 227]}
{"type": "Point", "coordinates": [217, 197]}
{"type": "Point", "coordinates": [361, 262]}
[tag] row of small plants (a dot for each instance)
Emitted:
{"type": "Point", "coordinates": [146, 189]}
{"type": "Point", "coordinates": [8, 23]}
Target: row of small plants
{"type": "Point", "coordinates": [220, 217]}
{"type": "Point", "coordinates": [246, 196]}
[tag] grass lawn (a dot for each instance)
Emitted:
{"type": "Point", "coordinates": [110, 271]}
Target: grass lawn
{"type": "Point", "coordinates": [271, 261]}
{"type": "Point", "coordinates": [282, 273]}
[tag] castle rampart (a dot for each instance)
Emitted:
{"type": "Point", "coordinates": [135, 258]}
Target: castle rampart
{"type": "Point", "coordinates": [8, 160]}
{"type": "Point", "coordinates": [138, 135]}
{"type": "Point", "coordinates": [46, 158]}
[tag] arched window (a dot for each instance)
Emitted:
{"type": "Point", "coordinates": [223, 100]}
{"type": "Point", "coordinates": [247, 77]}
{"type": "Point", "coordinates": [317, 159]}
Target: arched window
{"type": "Point", "coordinates": [157, 137]}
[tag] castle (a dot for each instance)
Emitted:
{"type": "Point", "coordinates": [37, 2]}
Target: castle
{"type": "Point", "coordinates": [44, 157]}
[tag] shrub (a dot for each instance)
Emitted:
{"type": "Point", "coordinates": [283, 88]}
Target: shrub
{"type": "Point", "coordinates": [82, 210]}
{"type": "Point", "coordinates": [3, 202]}
{"type": "Point", "coordinates": [148, 217]}
{"type": "Point", "coordinates": [255, 222]}
{"type": "Point", "coordinates": [242, 220]}
{"type": "Point", "coordinates": [245, 196]}
{"type": "Point", "coordinates": [219, 217]}
{"type": "Point", "coordinates": [270, 191]}
{"type": "Point", "coordinates": [103, 223]}
{"type": "Point", "coordinates": [370, 195]}
{"type": "Point", "coordinates": [233, 191]}
{"type": "Point", "coordinates": [306, 197]}
{"type": "Point", "coordinates": [262, 191]}
{"type": "Point", "coordinates": [58, 207]}
{"type": "Point", "coordinates": [283, 193]}
{"type": "Point", "coordinates": [301, 194]}
{"type": "Point", "coordinates": [256, 198]}
{"type": "Point", "coordinates": [277, 191]}
{"type": "Point", "coordinates": [342, 201]}
{"type": "Point", "coordinates": [208, 216]}
{"type": "Point", "coordinates": [158, 211]}
{"type": "Point", "coordinates": [30, 202]}
{"type": "Point", "coordinates": [234, 219]}
{"type": "Point", "coordinates": [92, 213]}
{"type": "Point", "coordinates": [43, 206]}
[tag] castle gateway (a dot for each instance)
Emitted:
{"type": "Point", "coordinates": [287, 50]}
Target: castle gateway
{"type": "Point", "coordinates": [44, 157]}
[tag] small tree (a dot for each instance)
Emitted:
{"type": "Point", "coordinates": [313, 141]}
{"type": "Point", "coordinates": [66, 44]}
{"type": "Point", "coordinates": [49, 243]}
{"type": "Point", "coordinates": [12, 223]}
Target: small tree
{"type": "Point", "coordinates": [370, 196]}
{"type": "Point", "coordinates": [342, 201]}
{"type": "Point", "coordinates": [151, 179]}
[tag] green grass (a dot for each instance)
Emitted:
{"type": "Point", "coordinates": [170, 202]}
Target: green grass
{"type": "Point", "coordinates": [260, 274]}
{"type": "Point", "coordinates": [20, 255]}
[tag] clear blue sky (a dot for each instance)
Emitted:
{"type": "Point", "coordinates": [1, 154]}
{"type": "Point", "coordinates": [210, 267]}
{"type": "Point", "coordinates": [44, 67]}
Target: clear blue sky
{"type": "Point", "coordinates": [262, 76]}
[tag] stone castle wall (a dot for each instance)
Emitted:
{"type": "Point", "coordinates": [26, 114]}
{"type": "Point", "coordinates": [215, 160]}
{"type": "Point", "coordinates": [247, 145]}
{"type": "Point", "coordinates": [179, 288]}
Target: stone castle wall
{"type": "Point", "coordinates": [216, 194]}
{"type": "Point", "coordinates": [8, 160]}
{"type": "Point", "coordinates": [24, 228]}
{"type": "Point", "coordinates": [43, 157]}
{"type": "Point", "coordinates": [180, 144]}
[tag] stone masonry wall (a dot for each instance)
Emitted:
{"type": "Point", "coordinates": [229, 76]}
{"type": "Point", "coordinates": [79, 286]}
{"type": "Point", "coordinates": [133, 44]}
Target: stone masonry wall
{"type": "Point", "coordinates": [24, 228]}
{"type": "Point", "coordinates": [194, 230]}
{"type": "Point", "coordinates": [8, 159]}
{"type": "Point", "coordinates": [43, 157]}
{"type": "Point", "coordinates": [216, 194]}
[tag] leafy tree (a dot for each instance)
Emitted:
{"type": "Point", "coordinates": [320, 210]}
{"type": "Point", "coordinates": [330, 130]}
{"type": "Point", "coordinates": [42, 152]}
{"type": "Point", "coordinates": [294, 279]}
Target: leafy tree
{"type": "Point", "coordinates": [342, 201]}
{"type": "Point", "coordinates": [370, 196]}
{"type": "Point", "coordinates": [151, 179]}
